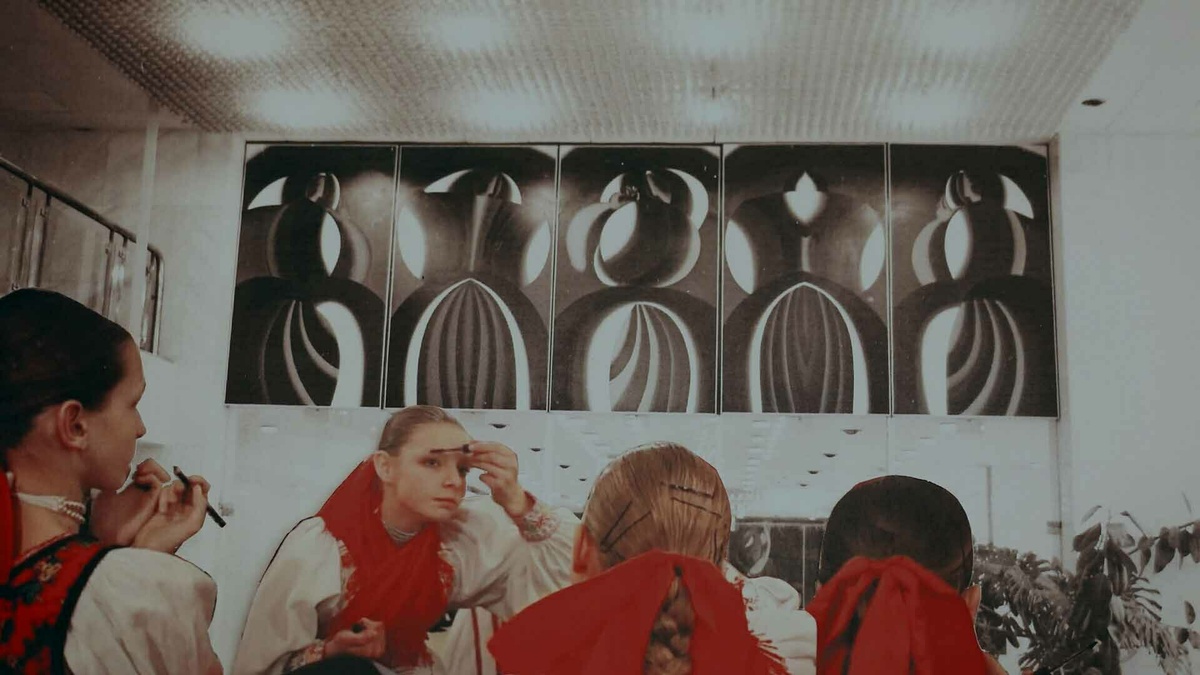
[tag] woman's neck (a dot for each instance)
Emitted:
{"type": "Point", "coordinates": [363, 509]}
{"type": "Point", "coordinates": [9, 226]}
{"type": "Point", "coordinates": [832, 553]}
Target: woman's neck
{"type": "Point", "coordinates": [399, 516]}
{"type": "Point", "coordinates": [34, 477]}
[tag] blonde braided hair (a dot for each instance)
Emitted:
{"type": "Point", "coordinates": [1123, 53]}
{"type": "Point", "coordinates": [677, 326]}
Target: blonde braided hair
{"type": "Point", "coordinates": [661, 496]}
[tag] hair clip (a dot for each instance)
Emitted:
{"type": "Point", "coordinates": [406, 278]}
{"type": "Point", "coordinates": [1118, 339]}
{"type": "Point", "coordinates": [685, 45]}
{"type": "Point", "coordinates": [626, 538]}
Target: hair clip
{"type": "Point", "coordinates": [684, 488]}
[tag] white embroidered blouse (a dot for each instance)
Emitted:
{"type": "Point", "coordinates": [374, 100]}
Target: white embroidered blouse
{"type": "Point", "coordinates": [499, 564]}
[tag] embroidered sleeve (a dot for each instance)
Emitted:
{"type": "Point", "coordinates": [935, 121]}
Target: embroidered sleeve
{"type": "Point", "coordinates": [311, 654]}
{"type": "Point", "coordinates": [539, 523]}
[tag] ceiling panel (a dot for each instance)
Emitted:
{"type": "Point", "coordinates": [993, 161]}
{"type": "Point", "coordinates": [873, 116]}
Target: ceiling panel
{"type": "Point", "coordinates": [618, 71]}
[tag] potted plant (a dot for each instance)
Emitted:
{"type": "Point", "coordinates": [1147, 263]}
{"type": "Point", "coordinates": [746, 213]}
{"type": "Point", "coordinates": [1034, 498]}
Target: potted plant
{"type": "Point", "coordinates": [1105, 601]}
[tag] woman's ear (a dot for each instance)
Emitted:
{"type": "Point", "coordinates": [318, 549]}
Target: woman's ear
{"type": "Point", "coordinates": [384, 466]}
{"type": "Point", "coordinates": [70, 424]}
{"type": "Point", "coordinates": [585, 558]}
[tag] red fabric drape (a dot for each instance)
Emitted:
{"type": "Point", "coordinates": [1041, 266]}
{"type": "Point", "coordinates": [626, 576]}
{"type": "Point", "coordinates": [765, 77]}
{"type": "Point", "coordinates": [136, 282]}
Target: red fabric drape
{"type": "Point", "coordinates": [602, 626]}
{"type": "Point", "coordinates": [915, 622]}
{"type": "Point", "coordinates": [405, 587]}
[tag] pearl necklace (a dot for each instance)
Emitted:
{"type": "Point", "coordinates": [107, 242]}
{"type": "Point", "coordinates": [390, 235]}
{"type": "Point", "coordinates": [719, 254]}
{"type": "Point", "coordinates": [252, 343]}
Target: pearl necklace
{"type": "Point", "coordinates": [70, 508]}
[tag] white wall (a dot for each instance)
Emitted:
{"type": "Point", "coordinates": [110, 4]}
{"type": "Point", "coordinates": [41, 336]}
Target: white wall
{"type": "Point", "coordinates": [1130, 236]}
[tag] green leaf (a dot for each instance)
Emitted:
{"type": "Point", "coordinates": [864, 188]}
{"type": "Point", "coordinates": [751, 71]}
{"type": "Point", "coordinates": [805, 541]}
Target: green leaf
{"type": "Point", "coordinates": [1086, 539]}
{"type": "Point", "coordinates": [1091, 512]}
{"type": "Point", "coordinates": [1189, 611]}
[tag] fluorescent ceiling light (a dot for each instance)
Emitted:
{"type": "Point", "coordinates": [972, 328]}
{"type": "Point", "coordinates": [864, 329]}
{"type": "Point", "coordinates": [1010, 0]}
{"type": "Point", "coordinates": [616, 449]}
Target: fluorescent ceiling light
{"type": "Point", "coordinates": [707, 110]}
{"type": "Point", "coordinates": [233, 35]}
{"type": "Point", "coordinates": [714, 34]}
{"type": "Point", "coordinates": [468, 33]}
{"type": "Point", "coordinates": [502, 110]}
{"type": "Point", "coordinates": [305, 109]}
{"type": "Point", "coordinates": [930, 110]}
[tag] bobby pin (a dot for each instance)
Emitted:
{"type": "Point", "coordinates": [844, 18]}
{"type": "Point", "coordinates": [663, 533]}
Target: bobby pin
{"type": "Point", "coordinates": [624, 531]}
{"type": "Point", "coordinates": [684, 488]}
{"type": "Point", "coordinates": [604, 540]}
{"type": "Point", "coordinates": [695, 506]}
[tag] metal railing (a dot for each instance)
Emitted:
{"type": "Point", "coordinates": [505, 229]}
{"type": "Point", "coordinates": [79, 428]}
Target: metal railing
{"type": "Point", "coordinates": [49, 239]}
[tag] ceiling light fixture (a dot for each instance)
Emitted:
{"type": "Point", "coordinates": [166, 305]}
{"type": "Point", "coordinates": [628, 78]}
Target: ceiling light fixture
{"type": "Point", "coordinates": [1093, 102]}
{"type": "Point", "coordinates": [501, 110]}
{"type": "Point", "coordinates": [708, 110]}
{"type": "Point", "coordinates": [927, 110]}
{"type": "Point", "coordinates": [232, 35]}
{"type": "Point", "coordinates": [712, 34]}
{"type": "Point", "coordinates": [305, 109]}
{"type": "Point", "coordinates": [468, 33]}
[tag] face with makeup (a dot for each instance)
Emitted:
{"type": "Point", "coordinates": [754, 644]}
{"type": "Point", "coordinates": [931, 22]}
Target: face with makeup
{"type": "Point", "coordinates": [424, 480]}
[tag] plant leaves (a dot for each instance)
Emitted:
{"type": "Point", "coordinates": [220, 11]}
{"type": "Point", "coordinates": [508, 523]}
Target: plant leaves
{"type": "Point", "coordinates": [1091, 512]}
{"type": "Point", "coordinates": [1163, 554]}
{"type": "Point", "coordinates": [1118, 533]}
{"type": "Point", "coordinates": [1086, 539]}
{"type": "Point", "coordinates": [1134, 521]}
{"type": "Point", "coordinates": [1194, 640]}
{"type": "Point", "coordinates": [1145, 555]}
{"type": "Point", "coordinates": [1189, 611]}
{"type": "Point", "coordinates": [1188, 504]}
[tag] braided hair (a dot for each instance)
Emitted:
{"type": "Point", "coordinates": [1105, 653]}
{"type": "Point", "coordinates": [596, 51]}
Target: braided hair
{"type": "Point", "coordinates": [661, 496]}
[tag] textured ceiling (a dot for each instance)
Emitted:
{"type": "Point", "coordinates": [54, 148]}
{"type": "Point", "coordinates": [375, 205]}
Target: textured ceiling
{"type": "Point", "coordinates": [614, 71]}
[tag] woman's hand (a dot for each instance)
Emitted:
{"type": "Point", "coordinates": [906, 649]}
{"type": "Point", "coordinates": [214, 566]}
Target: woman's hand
{"type": "Point", "coordinates": [178, 515]}
{"type": "Point", "coordinates": [116, 517]}
{"type": "Point", "coordinates": [369, 643]}
{"type": "Point", "coordinates": [499, 464]}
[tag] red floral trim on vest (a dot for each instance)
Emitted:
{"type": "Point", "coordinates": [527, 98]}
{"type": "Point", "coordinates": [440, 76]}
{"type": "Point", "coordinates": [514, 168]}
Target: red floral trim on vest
{"type": "Point", "coordinates": [38, 600]}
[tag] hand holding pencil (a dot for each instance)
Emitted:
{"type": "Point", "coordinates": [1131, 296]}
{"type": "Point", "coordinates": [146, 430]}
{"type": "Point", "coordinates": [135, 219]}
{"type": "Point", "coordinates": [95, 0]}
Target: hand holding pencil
{"type": "Point", "coordinates": [179, 514]}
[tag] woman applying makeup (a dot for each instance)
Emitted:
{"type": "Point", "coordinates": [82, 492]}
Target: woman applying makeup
{"type": "Point", "coordinates": [89, 583]}
{"type": "Point", "coordinates": [357, 587]}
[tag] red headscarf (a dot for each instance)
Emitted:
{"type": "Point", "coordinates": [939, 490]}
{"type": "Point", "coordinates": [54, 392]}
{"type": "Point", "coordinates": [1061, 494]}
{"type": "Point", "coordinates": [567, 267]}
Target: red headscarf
{"type": "Point", "coordinates": [915, 620]}
{"type": "Point", "coordinates": [602, 626]}
{"type": "Point", "coordinates": [405, 587]}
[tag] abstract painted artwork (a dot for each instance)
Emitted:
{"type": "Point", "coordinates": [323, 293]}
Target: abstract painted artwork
{"type": "Point", "coordinates": [791, 279]}
{"type": "Point", "coordinates": [635, 314]}
{"type": "Point", "coordinates": [472, 278]}
{"type": "Point", "coordinates": [312, 272]}
{"type": "Point", "coordinates": [973, 316]}
{"type": "Point", "coordinates": [805, 282]}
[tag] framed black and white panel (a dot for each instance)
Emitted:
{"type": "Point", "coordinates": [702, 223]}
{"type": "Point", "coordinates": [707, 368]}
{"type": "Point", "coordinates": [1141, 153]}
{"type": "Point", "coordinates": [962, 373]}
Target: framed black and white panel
{"type": "Point", "coordinates": [473, 273]}
{"type": "Point", "coordinates": [309, 309]}
{"type": "Point", "coordinates": [805, 280]}
{"type": "Point", "coordinates": [973, 315]}
{"type": "Point", "coordinates": [636, 285]}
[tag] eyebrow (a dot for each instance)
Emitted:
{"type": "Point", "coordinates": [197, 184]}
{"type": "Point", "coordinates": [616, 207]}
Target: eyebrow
{"type": "Point", "coordinates": [464, 449]}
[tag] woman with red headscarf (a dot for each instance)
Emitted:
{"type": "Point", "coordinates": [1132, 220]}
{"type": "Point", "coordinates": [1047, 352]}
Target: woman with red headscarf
{"type": "Point", "coordinates": [357, 587]}
{"type": "Point", "coordinates": [895, 594]}
{"type": "Point", "coordinates": [654, 593]}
